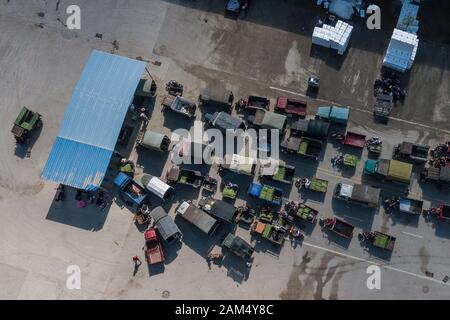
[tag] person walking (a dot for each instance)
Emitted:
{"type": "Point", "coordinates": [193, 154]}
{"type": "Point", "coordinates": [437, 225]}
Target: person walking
{"type": "Point", "coordinates": [137, 264]}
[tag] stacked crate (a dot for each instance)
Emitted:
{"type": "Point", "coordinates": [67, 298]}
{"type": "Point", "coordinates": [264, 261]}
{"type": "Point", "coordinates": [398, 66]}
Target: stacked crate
{"type": "Point", "coordinates": [336, 37]}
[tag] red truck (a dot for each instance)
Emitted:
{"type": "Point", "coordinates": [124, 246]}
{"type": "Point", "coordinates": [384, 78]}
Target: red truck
{"type": "Point", "coordinates": [351, 138]}
{"type": "Point", "coordinates": [291, 106]}
{"type": "Point", "coordinates": [153, 247]}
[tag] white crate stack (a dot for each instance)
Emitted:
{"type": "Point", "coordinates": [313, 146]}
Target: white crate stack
{"type": "Point", "coordinates": [402, 48]}
{"type": "Point", "coordinates": [336, 37]}
{"type": "Point", "coordinates": [402, 51]}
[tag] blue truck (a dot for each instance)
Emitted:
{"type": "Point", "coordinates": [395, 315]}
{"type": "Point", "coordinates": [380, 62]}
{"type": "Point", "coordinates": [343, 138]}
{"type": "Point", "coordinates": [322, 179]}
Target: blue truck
{"type": "Point", "coordinates": [333, 114]}
{"type": "Point", "coordinates": [130, 189]}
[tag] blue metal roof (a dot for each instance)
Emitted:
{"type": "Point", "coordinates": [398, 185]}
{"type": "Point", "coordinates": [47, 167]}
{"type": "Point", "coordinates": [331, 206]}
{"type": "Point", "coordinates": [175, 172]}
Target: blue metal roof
{"type": "Point", "coordinates": [93, 119]}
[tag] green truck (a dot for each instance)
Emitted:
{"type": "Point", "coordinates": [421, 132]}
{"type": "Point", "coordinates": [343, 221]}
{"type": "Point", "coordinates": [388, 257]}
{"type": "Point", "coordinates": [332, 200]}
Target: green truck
{"type": "Point", "coordinates": [26, 122]}
{"type": "Point", "coordinates": [389, 170]}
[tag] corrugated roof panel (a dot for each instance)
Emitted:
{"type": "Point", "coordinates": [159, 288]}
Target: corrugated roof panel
{"type": "Point", "coordinates": [93, 119]}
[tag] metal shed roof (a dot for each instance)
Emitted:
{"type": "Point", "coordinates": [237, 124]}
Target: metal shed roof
{"type": "Point", "coordinates": [93, 119]}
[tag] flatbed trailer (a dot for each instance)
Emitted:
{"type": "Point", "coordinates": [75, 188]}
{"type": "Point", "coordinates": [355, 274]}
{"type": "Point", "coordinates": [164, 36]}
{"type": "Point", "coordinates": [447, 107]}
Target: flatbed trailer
{"type": "Point", "coordinates": [256, 103]}
{"type": "Point", "coordinates": [303, 146]}
{"type": "Point", "coordinates": [282, 172]}
{"type": "Point", "coordinates": [291, 106]}
{"type": "Point", "coordinates": [380, 240]}
{"type": "Point", "coordinates": [340, 227]}
{"type": "Point", "coordinates": [316, 184]}
{"type": "Point", "coordinates": [184, 176]}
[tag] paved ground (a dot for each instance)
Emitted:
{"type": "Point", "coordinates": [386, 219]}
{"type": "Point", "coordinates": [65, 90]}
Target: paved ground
{"type": "Point", "coordinates": [268, 52]}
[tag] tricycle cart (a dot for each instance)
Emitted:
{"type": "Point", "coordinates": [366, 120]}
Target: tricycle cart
{"type": "Point", "coordinates": [374, 145]}
{"type": "Point", "coordinates": [266, 214]}
{"type": "Point", "coordinates": [238, 246]}
{"type": "Point", "coordinates": [209, 184]}
{"type": "Point", "coordinates": [266, 193]}
{"type": "Point", "coordinates": [25, 122]}
{"type": "Point", "coordinates": [184, 176]}
{"type": "Point", "coordinates": [230, 190]}
{"type": "Point", "coordinates": [245, 215]}
{"type": "Point", "coordinates": [292, 107]}
{"type": "Point", "coordinates": [273, 233]}
{"type": "Point", "coordinates": [350, 160]}
{"type": "Point", "coordinates": [303, 146]}
{"type": "Point", "coordinates": [338, 226]}
{"type": "Point", "coordinates": [217, 96]}
{"type": "Point", "coordinates": [280, 173]}
{"type": "Point", "coordinates": [174, 88]}
{"type": "Point", "coordinates": [379, 239]}
{"type": "Point", "coordinates": [180, 105]}
{"type": "Point", "coordinates": [301, 211]}
{"type": "Point", "coordinates": [255, 103]}
{"type": "Point", "coordinates": [313, 183]}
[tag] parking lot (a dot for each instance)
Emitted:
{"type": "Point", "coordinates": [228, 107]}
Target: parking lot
{"type": "Point", "coordinates": [269, 53]}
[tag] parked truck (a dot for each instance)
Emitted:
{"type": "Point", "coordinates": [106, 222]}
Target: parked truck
{"type": "Point", "coordinates": [153, 247]}
{"type": "Point", "coordinates": [360, 194]}
{"type": "Point", "coordinates": [411, 152]}
{"type": "Point", "coordinates": [224, 121]}
{"type": "Point", "coordinates": [440, 176]}
{"type": "Point", "coordinates": [197, 217]}
{"type": "Point", "coordinates": [390, 170]}
{"type": "Point", "coordinates": [292, 107]}
{"type": "Point", "coordinates": [268, 120]}
{"type": "Point", "coordinates": [130, 189]}
{"type": "Point", "coordinates": [333, 114]}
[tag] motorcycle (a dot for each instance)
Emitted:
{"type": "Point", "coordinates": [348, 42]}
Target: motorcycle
{"type": "Point", "coordinates": [367, 235]}
{"type": "Point", "coordinates": [295, 233]}
{"type": "Point", "coordinates": [337, 160]}
{"type": "Point", "coordinates": [174, 88]}
{"type": "Point", "coordinates": [60, 193]}
{"type": "Point", "coordinates": [338, 136]}
{"type": "Point", "coordinates": [374, 141]}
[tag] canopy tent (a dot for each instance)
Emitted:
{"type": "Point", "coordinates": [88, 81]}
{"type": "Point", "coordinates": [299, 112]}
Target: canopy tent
{"type": "Point", "coordinates": [91, 125]}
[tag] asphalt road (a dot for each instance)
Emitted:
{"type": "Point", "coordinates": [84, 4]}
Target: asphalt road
{"type": "Point", "coordinates": [265, 53]}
